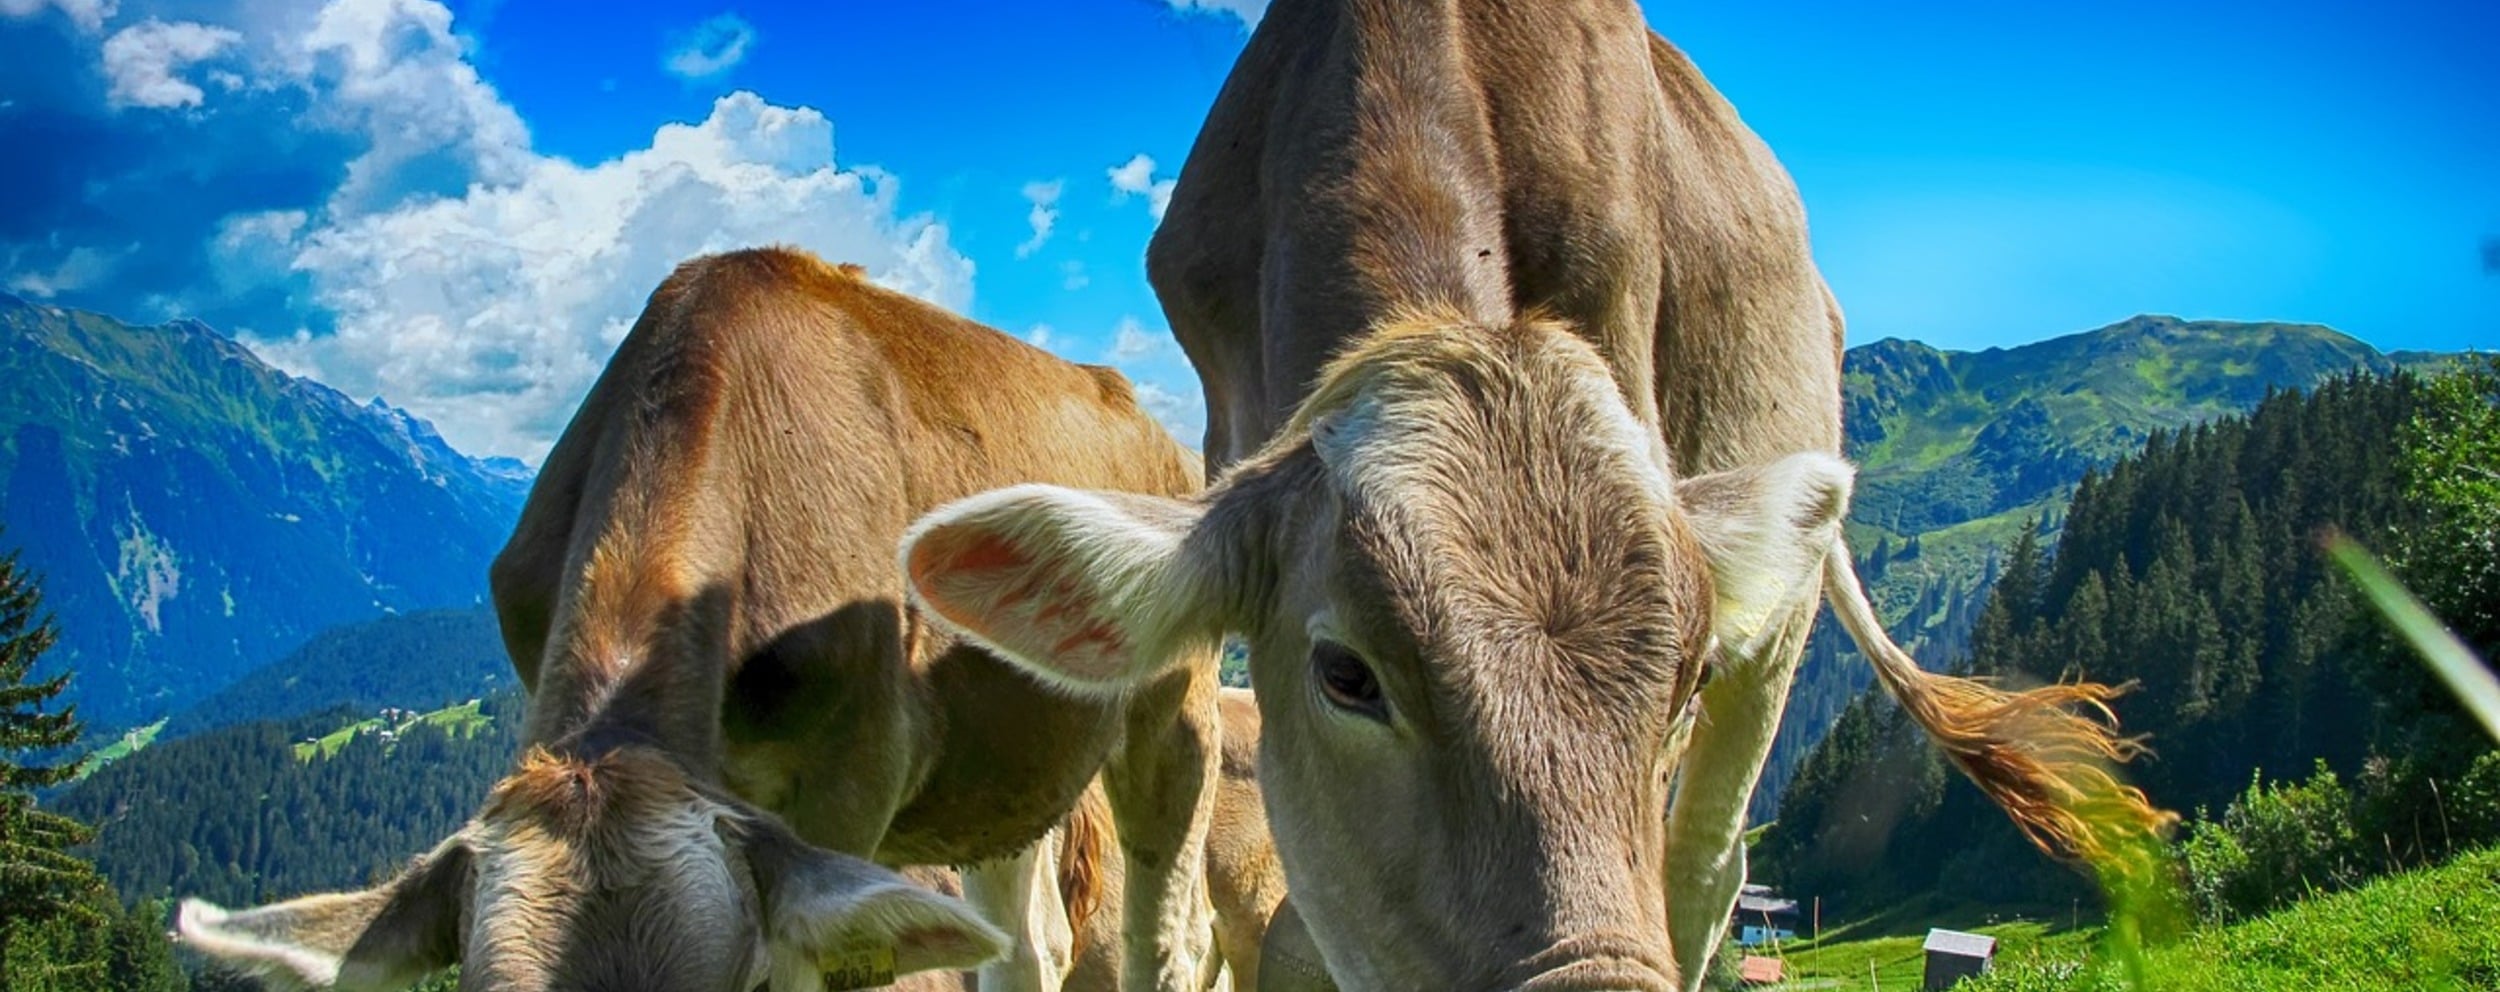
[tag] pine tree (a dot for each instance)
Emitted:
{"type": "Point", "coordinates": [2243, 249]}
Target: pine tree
{"type": "Point", "coordinates": [38, 875]}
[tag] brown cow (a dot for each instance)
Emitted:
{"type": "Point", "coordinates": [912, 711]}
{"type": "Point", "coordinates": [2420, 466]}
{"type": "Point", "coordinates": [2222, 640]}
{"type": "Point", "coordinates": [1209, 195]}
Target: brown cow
{"type": "Point", "coordinates": [702, 595]}
{"type": "Point", "coordinates": [1525, 392]}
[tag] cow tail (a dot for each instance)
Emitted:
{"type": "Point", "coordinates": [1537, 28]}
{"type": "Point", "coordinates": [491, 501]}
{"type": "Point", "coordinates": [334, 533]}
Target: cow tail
{"type": "Point", "coordinates": [2045, 755]}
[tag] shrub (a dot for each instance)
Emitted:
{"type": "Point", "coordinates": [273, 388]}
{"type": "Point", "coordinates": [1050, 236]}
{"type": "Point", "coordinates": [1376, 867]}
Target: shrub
{"type": "Point", "coordinates": [2274, 844]}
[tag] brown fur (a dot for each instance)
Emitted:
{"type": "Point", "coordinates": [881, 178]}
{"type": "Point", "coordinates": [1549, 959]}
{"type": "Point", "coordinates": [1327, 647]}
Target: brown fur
{"type": "Point", "coordinates": [766, 432]}
{"type": "Point", "coordinates": [703, 598]}
{"type": "Point", "coordinates": [1472, 164]}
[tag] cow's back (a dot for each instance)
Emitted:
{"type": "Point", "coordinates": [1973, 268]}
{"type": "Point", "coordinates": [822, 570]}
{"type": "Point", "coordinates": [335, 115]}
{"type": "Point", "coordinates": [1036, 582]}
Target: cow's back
{"type": "Point", "coordinates": [1625, 195]}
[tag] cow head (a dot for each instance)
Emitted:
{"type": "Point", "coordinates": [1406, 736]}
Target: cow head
{"type": "Point", "coordinates": [1478, 605]}
{"type": "Point", "coordinates": [611, 873]}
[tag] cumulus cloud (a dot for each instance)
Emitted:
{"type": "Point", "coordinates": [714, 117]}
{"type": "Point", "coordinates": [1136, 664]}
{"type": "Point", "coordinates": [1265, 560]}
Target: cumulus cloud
{"type": "Point", "coordinates": [89, 15]}
{"type": "Point", "coordinates": [1248, 10]}
{"type": "Point", "coordinates": [364, 208]}
{"type": "Point", "coordinates": [713, 47]}
{"type": "Point", "coordinates": [84, 267]}
{"type": "Point", "coordinates": [1131, 341]}
{"type": "Point", "coordinates": [492, 312]}
{"type": "Point", "coordinates": [142, 62]}
{"type": "Point", "coordinates": [1135, 177]}
{"type": "Point", "coordinates": [1167, 387]}
{"type": "Point", "coordinates": [1073, 277]}
{"type": "Point", "coordinates": [1040, 336]}
{"type": "Point", "coordinates": [393, 73]}
{"type": "Point", "coordinates": [1181, 411]}
{"type": "Point", "coordinates": [1045, 198]}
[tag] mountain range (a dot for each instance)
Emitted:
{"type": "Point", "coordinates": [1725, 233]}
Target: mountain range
{"type": "Point", "coordinates": [207, 526]}
{"type": "Point", "coordinates": [1958, 451]}
{"type": "Point", "coordinates": [195, 513]}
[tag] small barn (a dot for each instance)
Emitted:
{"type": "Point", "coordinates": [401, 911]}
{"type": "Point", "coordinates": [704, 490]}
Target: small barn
{"type": "Point", "coordinates": [1761, 916]}
{"type": "Point", "coordinates": [1953, 955]}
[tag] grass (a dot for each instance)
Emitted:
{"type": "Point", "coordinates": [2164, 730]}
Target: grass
{"type": "Point", "coordinates": [129, 743]}
{"type": "Point", "coordinates": [1884, 951]}
{"type": "Point", "coordinates": [463, 720]}
{"type": "Point", "coordinates": [2436, 929]}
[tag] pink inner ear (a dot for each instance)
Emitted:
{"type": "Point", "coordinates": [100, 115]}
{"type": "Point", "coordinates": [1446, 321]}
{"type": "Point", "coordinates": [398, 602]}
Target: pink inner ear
{"type": "Point", "coordinates": [986, 552]}
{"type": "Point", "coordinates": [985, 583]}
{"type": "Point", "coordinates": [916, 947]}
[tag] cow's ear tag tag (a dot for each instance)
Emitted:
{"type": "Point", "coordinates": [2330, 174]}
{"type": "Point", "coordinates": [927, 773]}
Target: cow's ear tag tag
{"type": "Point", "coordinates": [860, 966]}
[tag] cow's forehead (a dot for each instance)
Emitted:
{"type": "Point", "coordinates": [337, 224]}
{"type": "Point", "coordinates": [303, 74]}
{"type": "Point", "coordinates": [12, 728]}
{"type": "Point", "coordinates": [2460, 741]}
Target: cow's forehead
{"type": "Point", "coordinates": [579, 855]}
{"type": "Point", "coordinates": [612, 822]}
{"type": "Point", "coordinates": [1506, 502]}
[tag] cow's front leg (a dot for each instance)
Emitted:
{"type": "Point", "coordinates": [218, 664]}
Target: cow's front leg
{"type": "Point", "coordinates": [1740, 714]}
{"type": "Point", "coordinates": [1020, 895]}
{"type": "Point", "coordinates": [1161, 783]}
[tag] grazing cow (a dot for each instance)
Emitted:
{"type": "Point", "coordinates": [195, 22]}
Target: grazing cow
{"type": "Point", "coordinates": [702, 596]}
{"type": "Point", "coordinates": [1525, 396]}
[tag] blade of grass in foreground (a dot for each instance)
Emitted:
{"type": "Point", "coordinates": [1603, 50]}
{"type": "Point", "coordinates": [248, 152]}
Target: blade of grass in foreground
{"type": "Point", "coordinates": [2449, 657]}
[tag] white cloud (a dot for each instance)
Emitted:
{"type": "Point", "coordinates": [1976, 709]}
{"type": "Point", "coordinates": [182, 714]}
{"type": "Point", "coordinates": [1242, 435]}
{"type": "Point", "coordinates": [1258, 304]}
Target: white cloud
{"type": "Point", "coordinates": [1248, 10]}
{"type": "Point", "coordinates": [142, 62]}
{"type": "Point", "coordinates": [393, 71]}
{"type": "Point", "coordinates": [1135, 177]}
{"type": "Point", "coordinates": [713, 47]}
{"type": "Point", "coordinates": [89, 15]}
{"type": "Point", "coordinates": [491, 313]}
{"type": "Point", "coordinates": [1045, 198]}
{"type": "Point", "coordinates": [82, 268]}
{"type": "Point", "coordinates": [1183, 412]}
{"type": "Point", "coordinates": [1072, 275]}
{"type": "Point", "coordinates": [1040, 336]}
{"type": "Point", "coordinates": [1131, 341]}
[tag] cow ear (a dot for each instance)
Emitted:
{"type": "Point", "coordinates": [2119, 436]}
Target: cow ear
{"type": "Point", "coordinates": [833, 921]}
{"type": "Point", "coordinates": [1094, 591]}
{"type": "Point", "coordinates": [380, 939]}
{"type": "Point", "coordinates": [1765, 530]}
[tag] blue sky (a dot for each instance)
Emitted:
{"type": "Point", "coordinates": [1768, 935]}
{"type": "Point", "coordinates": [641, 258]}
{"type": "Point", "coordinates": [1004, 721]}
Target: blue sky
{"type": "Point", "coordinates": [460, 207]}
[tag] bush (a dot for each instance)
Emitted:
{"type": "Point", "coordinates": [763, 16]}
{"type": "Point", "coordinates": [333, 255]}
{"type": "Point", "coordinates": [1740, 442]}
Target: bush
{"type": "Point", "coordinates": [2274, 844]}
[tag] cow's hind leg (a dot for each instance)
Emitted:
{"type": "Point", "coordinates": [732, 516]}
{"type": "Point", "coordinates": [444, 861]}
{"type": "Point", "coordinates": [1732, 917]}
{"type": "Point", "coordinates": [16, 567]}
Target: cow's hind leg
{"type": "Point", "coordinates": [1161, 782]}
{"type": "Point", "coordinates": [1740, 714]}
{"type": "Point", "coordinates": [1020, 894]}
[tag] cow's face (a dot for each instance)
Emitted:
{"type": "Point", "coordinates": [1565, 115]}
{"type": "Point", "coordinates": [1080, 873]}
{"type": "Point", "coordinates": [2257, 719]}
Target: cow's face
{"type": "Point", "coordinates": [1478, 608]}
{"type": "Point", "coordinates": [605, 875]}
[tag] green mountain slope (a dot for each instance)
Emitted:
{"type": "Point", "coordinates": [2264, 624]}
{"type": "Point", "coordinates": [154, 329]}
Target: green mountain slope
{"type": "Point", "coordinates": [1958, 450]}
{"type": "Point", "coordinates": [2191, 571]}
{"type": "Point", "coordinates": [421, 659]}
{"type": "Point", "coordinates": [242, 814]}
{"type": "Point", "coordinates": [1944, 437]}
{"type": "Point", "coordinates": [195, 513]}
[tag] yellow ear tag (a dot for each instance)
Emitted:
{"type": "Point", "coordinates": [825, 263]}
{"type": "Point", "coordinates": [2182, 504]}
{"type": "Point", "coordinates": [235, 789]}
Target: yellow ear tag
{"type": "Point", "coordinates": [860, 966]}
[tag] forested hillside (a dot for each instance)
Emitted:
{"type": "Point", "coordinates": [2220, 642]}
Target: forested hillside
{"type": "Point", "coordinates": [1959, 452]}
{"type": "Point", "coordinates": [237, 816]}
{"type": "Point", "coordinates": [2193, 570]}
{"type": "Point", "coordinates": [419, 660]}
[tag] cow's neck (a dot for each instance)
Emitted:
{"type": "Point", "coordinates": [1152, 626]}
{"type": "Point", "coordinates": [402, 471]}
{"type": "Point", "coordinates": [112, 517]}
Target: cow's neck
{"type": "Point", "coordinates": [1411, 198]}
{"type": "Point", "coordinates": [1408, 209]}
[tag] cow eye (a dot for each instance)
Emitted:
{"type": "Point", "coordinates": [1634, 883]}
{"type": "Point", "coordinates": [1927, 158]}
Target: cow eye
{"type": "Point", "coordinates": [1347, 681]}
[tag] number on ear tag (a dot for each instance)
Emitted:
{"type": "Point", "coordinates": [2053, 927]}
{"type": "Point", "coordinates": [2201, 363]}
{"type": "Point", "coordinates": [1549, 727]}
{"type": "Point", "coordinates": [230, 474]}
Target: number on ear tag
{"type": "Point", "coordinates": [860, 967]}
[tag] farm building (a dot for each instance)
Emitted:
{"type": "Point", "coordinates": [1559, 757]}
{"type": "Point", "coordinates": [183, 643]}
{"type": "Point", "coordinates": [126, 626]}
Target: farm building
{"type": "Point", "coordinates": [1953, 955]}
{"type": "Point", "coordinates": [1761, 916]}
